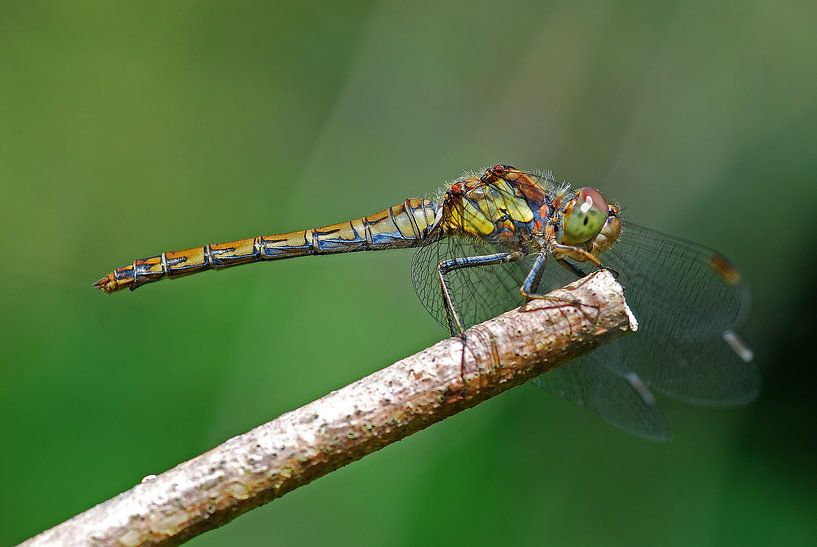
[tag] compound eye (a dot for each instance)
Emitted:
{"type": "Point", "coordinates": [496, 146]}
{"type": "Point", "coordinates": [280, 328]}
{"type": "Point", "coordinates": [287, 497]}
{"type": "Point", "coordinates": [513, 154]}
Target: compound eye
{"type": "Point", "coordinates": [585, 216]}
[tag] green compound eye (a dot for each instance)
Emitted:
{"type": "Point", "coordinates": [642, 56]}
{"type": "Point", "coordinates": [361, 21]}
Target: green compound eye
{"type": "Point", "coordinates": [585, 216]}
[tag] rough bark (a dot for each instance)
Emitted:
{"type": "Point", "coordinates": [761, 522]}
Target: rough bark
{"type": "Point", "coordinates": [345, 425]}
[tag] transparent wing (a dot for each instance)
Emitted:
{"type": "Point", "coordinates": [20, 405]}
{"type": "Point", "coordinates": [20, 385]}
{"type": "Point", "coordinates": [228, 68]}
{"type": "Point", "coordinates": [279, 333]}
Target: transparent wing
{"type": "Point", "coordinates": [484, 292]}
{"type": "Point", "coordinates": [617, 400]}
{"type": "Point", "coordinates": [479, 293]}
{"type": "Point", "coordinates": [685, 297]}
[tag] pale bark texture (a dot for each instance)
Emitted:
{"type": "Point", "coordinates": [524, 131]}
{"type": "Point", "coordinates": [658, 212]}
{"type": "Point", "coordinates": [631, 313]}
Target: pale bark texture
{"type": "Point", "coordinates": [345, 425]}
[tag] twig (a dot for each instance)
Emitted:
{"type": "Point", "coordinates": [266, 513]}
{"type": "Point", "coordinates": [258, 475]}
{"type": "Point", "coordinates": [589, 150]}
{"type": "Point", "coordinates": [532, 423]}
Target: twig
{"type": "Point", "coordinates": [300, 446]}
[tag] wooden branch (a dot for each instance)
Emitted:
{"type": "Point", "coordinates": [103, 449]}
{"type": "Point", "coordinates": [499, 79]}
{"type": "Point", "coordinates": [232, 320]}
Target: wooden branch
{"type": "Point", "coordinates": [300, 446]}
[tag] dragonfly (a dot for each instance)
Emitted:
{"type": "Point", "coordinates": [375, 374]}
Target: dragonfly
{"type": "Point", "coordinates": [491, 240]}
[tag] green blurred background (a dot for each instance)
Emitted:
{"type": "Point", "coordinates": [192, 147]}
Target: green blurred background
{"type": "Point", "coordinates": [126, 130]}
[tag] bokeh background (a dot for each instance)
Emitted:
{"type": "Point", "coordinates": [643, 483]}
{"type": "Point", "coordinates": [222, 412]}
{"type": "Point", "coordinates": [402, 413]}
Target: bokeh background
{"type": "Point", "coordinates": [126, 130]}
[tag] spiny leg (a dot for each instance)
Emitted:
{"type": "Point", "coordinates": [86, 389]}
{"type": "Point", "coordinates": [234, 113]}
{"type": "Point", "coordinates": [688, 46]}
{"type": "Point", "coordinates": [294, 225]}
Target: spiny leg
{"type": "Point", "coordinates": [559, 248]}
{"type": "Point", "coordinates": [531, 283]}
{"type": "Point", "coordinates": [569, 266]}
{"type": "Point", "coordinates": [445, 267]}
{"type": "Point", "coordinates": [590, 257]}
{"type": "Point", "coordinates": [575, 270]}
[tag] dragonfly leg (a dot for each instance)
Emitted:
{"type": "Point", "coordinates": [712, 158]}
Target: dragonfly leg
{"type": "Point", "coordinates": [587, 256]}
{"type": "Point", "coordinates": [569, 266]}
{"type": "Point", "coordinates": [534, 276]}
{"type": "Point", "coordinates": [558, 247]}
{"type": "Point", "coordinates": [531, 283]}
{"type": "Point", "coordinates": [447, 266]}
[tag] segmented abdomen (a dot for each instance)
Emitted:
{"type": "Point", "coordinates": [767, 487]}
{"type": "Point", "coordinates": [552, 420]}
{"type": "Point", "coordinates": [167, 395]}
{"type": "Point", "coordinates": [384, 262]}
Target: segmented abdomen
{"type": "Point", "coordinates": [404, 225]}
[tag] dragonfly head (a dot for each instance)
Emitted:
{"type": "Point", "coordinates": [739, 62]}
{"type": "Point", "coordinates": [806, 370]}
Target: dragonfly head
{"type": "Point", "coordinates": [585, 216]}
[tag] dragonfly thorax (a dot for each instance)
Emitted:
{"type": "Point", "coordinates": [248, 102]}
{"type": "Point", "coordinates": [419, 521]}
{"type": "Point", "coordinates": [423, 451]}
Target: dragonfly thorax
{"type": "Point", "coordinates": [503, 204]}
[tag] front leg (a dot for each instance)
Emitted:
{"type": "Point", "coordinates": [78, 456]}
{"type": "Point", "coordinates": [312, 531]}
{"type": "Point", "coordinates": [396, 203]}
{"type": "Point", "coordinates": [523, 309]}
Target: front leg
{"type": "Point", "coordinates": [574, 252]}
{"type": "Point", "coordinates": [570, 267]}
{"type": "Point", "coordinates": [531, 283]}
{"type": "Point", "coordinates": [577, 253]}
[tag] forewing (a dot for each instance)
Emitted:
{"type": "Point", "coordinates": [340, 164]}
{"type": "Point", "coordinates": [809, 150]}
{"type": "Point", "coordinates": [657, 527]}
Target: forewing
{"type": "Point", "coordinates": [484, 292]}
{"type": "Point", "coordinates": [685, 297]}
